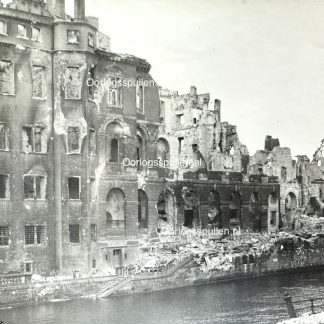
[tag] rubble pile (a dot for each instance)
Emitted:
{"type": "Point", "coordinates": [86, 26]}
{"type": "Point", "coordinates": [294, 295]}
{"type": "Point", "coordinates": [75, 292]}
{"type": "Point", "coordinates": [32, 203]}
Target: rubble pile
{"type": "Point", "coordinates": [209, 254]}
{"type": "Point", "coordinates": [304, 223]}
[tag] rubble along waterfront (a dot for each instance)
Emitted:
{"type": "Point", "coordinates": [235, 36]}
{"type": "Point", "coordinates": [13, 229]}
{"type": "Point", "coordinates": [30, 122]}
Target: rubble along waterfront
{"type": "Point", "coordinates": [189, 260]}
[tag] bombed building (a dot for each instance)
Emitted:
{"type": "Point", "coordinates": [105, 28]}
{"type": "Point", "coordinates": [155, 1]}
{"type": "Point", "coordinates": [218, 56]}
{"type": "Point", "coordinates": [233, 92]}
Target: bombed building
{"type": "Point", "coordinates": [301, 180]}
{"type": "Point", "coordinates": [79, 125]}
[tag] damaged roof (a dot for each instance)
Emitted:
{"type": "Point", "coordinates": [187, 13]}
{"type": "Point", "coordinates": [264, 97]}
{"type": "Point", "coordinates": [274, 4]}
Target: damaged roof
{"type": "Point", "coordinates": [140, 63]}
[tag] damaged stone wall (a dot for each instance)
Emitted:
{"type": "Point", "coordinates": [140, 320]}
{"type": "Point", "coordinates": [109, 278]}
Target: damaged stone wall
{"type": "Point", "coordinates": [300, 181]}
{"type": "Point", "coordinates": [26, 153]}
{"type": "Point", "coordinates": [189, 120]}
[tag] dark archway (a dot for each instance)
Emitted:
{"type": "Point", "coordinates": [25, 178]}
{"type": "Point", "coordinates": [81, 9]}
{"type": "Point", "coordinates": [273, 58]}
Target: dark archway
{"type": "Point", "coordinates": [255, 209]}
{"type": "Point", "coordinates": [214, 209]}
{"type": "Point", "coordinates": [191, 213]}
{"type": "Point", "coordinates": [235, 218]}
{"type": "Point", "coordinates": [163, 150]}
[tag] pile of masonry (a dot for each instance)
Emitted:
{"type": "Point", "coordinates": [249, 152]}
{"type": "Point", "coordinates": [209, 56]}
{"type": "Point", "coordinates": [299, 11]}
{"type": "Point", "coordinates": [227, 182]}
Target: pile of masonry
{"type": "Point", "coordinates": [220, 253]}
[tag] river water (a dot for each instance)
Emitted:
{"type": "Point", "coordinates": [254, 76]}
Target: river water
{"type": "Point", "coordinates": [258, 300]}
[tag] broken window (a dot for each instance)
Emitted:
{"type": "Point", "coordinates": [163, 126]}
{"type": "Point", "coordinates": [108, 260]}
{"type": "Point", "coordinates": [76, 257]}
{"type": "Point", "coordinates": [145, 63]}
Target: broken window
{"type": "Point", "coordinates": [92, 142]}
{"type": "Point", "coordinates": [140, 98]}
{"type": "Point", "coordinates": [6, 78]}
{"type": "Point", "coordinates": [93, 189]}
{"type": "Point", "coordinates": [195, 121]}
{"type": "Point", "coordinates": [28, 267]}
{"type": "Point", "coordinates": [114, 150]}
{"type": "Point", "coordinates": [4, 137]}
{"type": "Point", "coordinates": [4, 235]}
{"type": "Point", "coordinates": [93, 232]}
{"type": "Point", "coordinates": [34, 187]}
{"type": "Point", "coordinates": [91, 39]}
{"type": "Point", "coordinates": [36, 34]}
{"type": "Point", "coordinates": [117, 252]}
{"type": "Point", "coordinates": [92, 77]}
{"type": "Point", "coordinates": [163, 149]}
{"type": "Point", "coordinates": [21, 31]}
{"type": "Point", "coordinates": [73, 84]}
{"type": "Point", "coordinates": [74, 187]}
{"type": "Point", "coordinates": [3, 27]}
{"type": "Point", "coordinates": [180, 119]}
{"type": "Point", "coordinates": [74, 233]}
{"type": "Point", "coordinates": [4, 186]}
{"type": "Point", "coordinates": [273, 217]}
{"type": "Point", "coordinates": [34, 234]}
{"type": "Point", "coordinates": [73, 36]}
{"type": "Point", "coordinates": [114, 93]}
{"type": "Point", "coordinates": [33, 139]}
{"type": "Point", "coordinates": [74, 140]}
{"type": "Point", "coordinates": [195, 148]}
{"type": "Point", "coordinates": [39, 82]}
{"type": "Point", "coordinates": [180, 142]}
{"type": "Point", "coordinates": [283, 173]}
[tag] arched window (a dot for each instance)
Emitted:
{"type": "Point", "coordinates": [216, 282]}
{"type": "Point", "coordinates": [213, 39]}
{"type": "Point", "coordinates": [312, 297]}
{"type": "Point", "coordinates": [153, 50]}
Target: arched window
{"type": "Point", "coordinates": [142, 209]}
{"type": "Point", "coordinates": [167, 211]}
{"type": "Point", "coordinates": [255, 211]}
{"type": "Point", "coordinates": [114, 138]}
{"type": "Point", "coordinates": [163, 150]}
{"type": "Point", "coordinates": [190, 208]}
{"type": "Point", "coordinates": [235, 206]}
{"type": "Point", "coordinates": [115, 212]}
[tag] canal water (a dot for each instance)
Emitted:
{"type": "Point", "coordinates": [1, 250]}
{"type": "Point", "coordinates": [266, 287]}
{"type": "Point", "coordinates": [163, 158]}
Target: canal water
{"type": "Point", "coordinates": [258, 300]}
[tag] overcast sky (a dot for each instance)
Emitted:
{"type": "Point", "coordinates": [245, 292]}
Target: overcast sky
{"type": "Point", "coordinates": [263, 58]}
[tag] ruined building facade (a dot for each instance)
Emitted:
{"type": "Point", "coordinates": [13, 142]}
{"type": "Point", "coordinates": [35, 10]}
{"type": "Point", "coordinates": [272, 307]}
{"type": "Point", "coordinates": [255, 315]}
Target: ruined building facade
{"type": "Point", "coordinates": [68, 198]}
{"type": "Point", "coordinates": [301, 181]}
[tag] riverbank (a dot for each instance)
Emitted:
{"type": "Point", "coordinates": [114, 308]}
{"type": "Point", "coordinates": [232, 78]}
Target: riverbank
{"type": "Point", "coordinates": [197, 261]}
{"type": "Point", "coordinates": [258, 300]}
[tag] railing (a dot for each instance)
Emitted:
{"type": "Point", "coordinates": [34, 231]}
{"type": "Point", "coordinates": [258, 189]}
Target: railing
{"type": "Point", "coordinates": [311, 304]}
{"type": "Point", "coordinates": [15, 279]}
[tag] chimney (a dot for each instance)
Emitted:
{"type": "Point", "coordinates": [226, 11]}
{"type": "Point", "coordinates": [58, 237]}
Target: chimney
{"type": "Point", "coordinates": [79, 10]}
{"type": "Point", "coordinates": [56, 7]}
{"type": "Point", "coordinates": [217, 109]}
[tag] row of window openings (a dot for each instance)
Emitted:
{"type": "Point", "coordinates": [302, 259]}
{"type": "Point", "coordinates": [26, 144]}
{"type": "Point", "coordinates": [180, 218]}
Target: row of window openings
{"type": "Point", "coordinates": [180, 120]}
{"type": "Point", "coordinates": [73, 85]}
{"type": "Point", "coordinates": [34, 139]}
{"type": "Point", "coordinates": [36, 234]}
{"type": "Point", "coordinates": [72, 36]}
{"type": "Point", "coordinates": [22, 31]}
{"type": "Point", "coordinates": [35, 187]}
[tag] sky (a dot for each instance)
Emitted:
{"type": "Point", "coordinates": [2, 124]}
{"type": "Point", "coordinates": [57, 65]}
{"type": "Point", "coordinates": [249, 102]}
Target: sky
{"type": "Point", "coordinates": [264, 59]}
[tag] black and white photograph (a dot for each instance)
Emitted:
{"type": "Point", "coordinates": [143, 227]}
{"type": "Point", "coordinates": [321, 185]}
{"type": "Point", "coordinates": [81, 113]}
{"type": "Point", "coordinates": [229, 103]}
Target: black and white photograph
{"type": "Point", "coordinates": [161, 161]}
